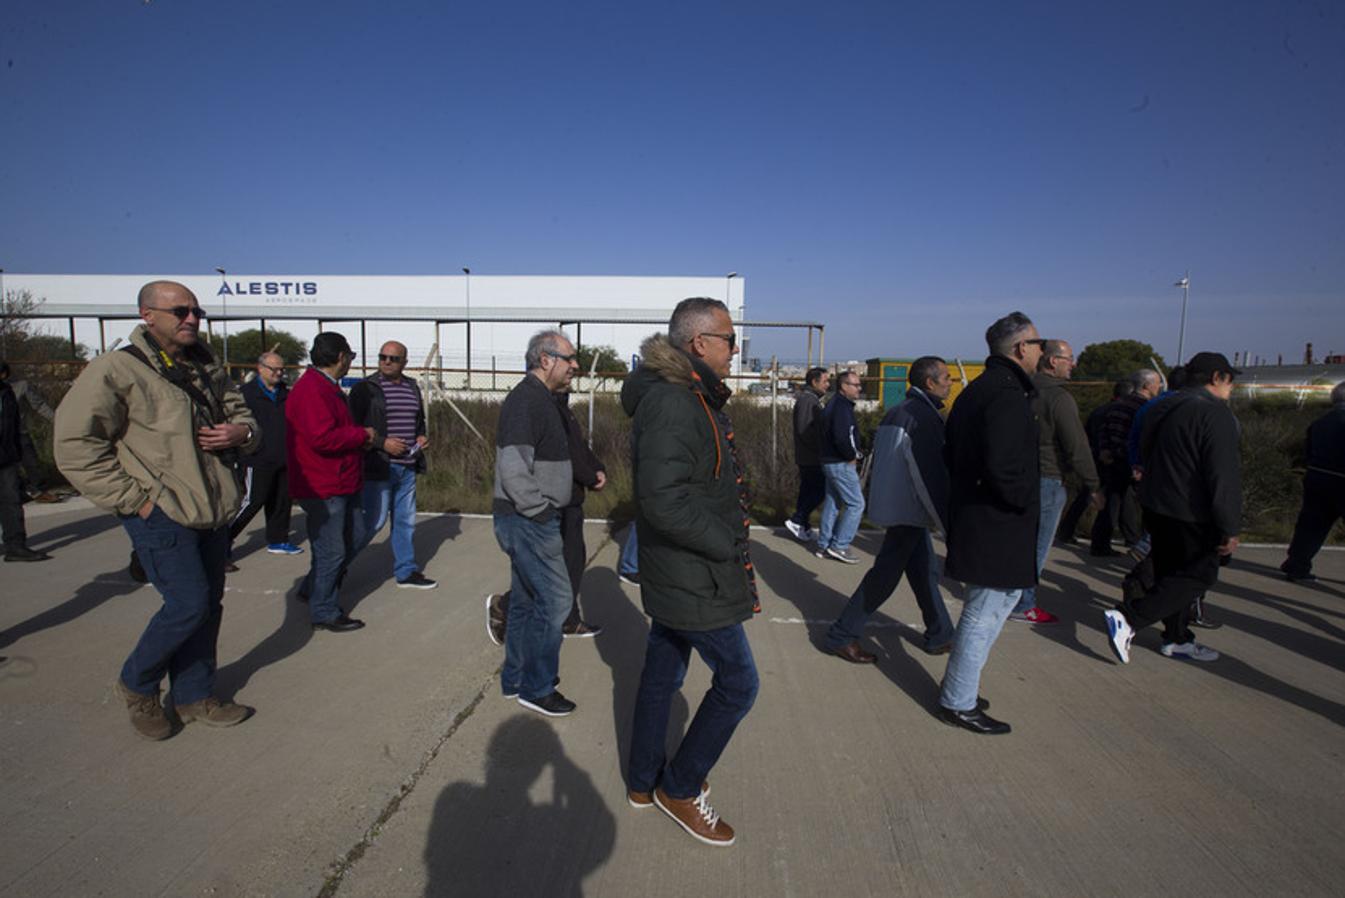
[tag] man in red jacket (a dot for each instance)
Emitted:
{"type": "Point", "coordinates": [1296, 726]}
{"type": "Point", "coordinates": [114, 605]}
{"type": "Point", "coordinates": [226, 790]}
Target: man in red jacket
{"type": "Point", "coordinates": [324, 451]}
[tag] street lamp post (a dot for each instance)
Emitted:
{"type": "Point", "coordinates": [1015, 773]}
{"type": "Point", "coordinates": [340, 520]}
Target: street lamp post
{"type": "Point", "coordinates": [467, 280]}
{"type": "Point", "coordinates": [224, 298]}
{"type": "Point", "coordinates": [1185, 284]}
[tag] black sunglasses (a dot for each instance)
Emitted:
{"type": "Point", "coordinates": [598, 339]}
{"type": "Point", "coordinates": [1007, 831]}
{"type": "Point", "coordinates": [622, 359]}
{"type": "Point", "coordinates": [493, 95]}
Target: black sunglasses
{"type": "Point", "coordinates": [572, 357]}
{"type": "Point", "coordinates": [731, 337]}
{"type": "Point", "coordinates": [181, 312]}
{"type": "Point", "coordinates": [391, 358]}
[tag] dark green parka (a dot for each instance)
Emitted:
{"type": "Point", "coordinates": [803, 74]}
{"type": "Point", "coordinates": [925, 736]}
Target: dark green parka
{"type": "Point", "coordinates": [687, 515]}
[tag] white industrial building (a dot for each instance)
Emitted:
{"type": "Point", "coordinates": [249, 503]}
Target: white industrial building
{"type": "Point", "coordinates": [490, 317]}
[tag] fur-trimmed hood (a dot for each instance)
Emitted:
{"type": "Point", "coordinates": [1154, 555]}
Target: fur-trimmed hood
{"type": "Point", "coordinates": [661, 362]}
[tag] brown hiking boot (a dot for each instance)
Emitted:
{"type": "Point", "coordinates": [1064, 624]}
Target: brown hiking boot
{"type": "Point", "coordinates": [147, 717]}
{"type": "Point", "coordinates": [213, 712]}
{"type": "Point", "coordinates": [642, 800]}
{"type": "Point", "coordinates": [696, 817]}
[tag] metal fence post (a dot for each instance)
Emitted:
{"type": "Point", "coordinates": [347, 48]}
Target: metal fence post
{"type": "Point", "coordinates": [775, 412]}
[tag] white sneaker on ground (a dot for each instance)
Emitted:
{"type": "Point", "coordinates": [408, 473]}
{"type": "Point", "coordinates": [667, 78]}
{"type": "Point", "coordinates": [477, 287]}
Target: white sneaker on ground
{"type": "Point", "coordinates": [843, 555]}
{"type": "Point", "coordinates": [1119, 635]}
{"type": "Point", "coordinates": [1193, 651]}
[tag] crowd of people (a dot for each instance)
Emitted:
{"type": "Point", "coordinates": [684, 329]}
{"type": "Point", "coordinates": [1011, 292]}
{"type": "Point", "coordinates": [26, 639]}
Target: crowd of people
{"type": "Point", "coordinates": [159, 435]}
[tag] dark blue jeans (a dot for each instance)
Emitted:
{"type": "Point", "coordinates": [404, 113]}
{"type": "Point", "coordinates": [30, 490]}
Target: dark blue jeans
{"type": "Point", "coordinates": [905, 550]}
{"type": "Point", "coordinates": [335, 530]}
{"type": "Point", "coordinates": [812, 490]}
{"type": "Point", "coordinates": [186, 566]}
{"type": "Point", "coordinates": [540, 597]}
{"type": "Point", "coordinates": [733, 689]}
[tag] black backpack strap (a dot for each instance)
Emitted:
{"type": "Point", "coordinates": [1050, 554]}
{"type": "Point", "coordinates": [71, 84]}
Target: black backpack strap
{"type": "Point", "coordinates": [214, 411]}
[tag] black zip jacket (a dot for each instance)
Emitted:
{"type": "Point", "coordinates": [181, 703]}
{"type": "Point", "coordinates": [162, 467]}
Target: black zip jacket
{"type": "Point", "coordinates": [586, 465]}
{"type": "Point", "coordinates": [1192, 466]}
{"type": "Point", "coordinates": [369, 408]}
{"type": "Point", "coordinates": [840, 436]}
{"type": "Point", "coordinates": [270, 415]}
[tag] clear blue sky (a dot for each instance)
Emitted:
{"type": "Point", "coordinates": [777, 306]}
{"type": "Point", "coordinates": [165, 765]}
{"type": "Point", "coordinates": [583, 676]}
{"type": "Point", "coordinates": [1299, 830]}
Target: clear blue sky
{"type": "Point", "coordinates": [905, 172]}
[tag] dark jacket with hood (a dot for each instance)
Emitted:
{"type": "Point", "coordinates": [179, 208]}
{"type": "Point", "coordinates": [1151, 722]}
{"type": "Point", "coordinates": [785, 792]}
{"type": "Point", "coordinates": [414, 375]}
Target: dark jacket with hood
{"type": "Point", "coordinates": [1192, 461]}
{"type": "Point", "coordinates": [991, 448]}
{"type": "Point", "coordinates": [688, 517]}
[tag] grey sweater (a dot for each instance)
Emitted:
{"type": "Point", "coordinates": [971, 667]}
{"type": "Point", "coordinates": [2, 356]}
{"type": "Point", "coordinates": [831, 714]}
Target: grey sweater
{"type": "Point", "coordinates": [533, 474]}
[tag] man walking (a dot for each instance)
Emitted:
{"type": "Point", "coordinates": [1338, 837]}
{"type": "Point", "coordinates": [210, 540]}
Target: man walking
{"type": "Point", "coordinates": [993, 509]}
{"type": "Point", "coordinates": [267, 479]}
{"type": "Point", "coordinates": [13, 444]}
{"type": "Point", "coordinates": [152, 434]}
{"type": "Point", "coordinates": [908, 492]}
{"type": "Point", "coordinates": [807, 451]}
{"type": "Point", "coordinates": [390, 402]}
{"type": "Point", "coordinates": [1191, 494]}
{"type": "Point", "coordinates": [840, 464]}
{"type": "Point", "coordinates": [1064, 449]}
{"type": "Point", "coordinates": [693, 582]}
{"type": "Point", "coordinates": [1115, 473]}
{"type": "Point", "coordinates": [1067, 532]}
{"type": "Point", "coordinates": [533, 479]}
{"type": "Point", "coordinates": [324, 451]}
{"type": "Point", "coordinates": [1323, 488]}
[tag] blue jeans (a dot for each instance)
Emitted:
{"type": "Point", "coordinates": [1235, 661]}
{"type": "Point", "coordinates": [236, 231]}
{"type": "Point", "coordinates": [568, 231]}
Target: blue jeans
{"type": "Point", "coordinates": [983, 616]}
{"type": "Point", "coordinates": [539, 599]}
{"type": "Point", "coordinates": [395, 498]}
{"type": "Point", "coordinates": [630, 553]}
{"type": "Point", "coordinates": [906, 550]}
{"type": "Point", "coordinates": [812, 490]}
{"type": "Point", "coordinates": [186, 566]}
{"type": "Point", "coordinates": [842, 489]}
{"type": "Point", "coordinates": [1053, 496]}
{"type": "Point", "coordinates": [335, 529]}
{"type": "Point", "coordinates": [733, 689]}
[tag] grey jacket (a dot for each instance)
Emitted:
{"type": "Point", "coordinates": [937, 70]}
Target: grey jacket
{"type": "Point", "coordinates": [908, 485]}
{"type": "Point", "coordinates": [808, 428]}
{"type": "Point", "coordinates": [533, 474]}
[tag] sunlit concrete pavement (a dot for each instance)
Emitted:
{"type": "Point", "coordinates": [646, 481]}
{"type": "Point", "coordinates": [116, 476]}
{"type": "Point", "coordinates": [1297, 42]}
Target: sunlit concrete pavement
{"type": "Point", "coordinates": [386, 763]}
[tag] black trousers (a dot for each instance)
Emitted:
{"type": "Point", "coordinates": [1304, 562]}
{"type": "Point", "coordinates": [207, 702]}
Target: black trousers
{"type": "Point", "coordinates": [1186, 563]}
{"type": "Point", "coordinates": [1323, 505]}
{"type": "Point", "coordinates": [575, 554]}
{"type": "Point", "coordinates": [268, 487]}
{"type": "Point", "coordinates": [1118, 487]}
{"type": "Point", "coordinates": [11, 507]}
{"type": "Point", "coordinates": [1068, 530]}
{"type": "Point", "coordinates": [812, 490]}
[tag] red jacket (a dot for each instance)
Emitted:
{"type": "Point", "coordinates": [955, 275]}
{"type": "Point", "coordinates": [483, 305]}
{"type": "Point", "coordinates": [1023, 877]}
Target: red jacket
{"type": "Point", "coordinates": [324, 447]}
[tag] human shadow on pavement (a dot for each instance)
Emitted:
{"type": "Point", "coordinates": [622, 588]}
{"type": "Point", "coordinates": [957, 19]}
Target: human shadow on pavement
{"type": "Point", "coordinates": [621, 646]}
{"type": "Point", "coordinates": [1076, 604]}
{"type": "Point", "coordinates": [293, 634]}
{"type": "Point", "coordinates": [56, 538]}
{"type": "Point", "coordinates": [86, 598]}
{"type": "Point", "coordinates": [494, 839]}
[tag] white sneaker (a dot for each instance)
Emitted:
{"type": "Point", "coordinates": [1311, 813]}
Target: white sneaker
{"type": "Point", "coordinates": [843, 555]}
{"type": "Point", "coordinates": [798, 531]}
{"type": "Point", "coordinates": [1191, 650]}
{"type": "Point", "coordinates": [1119, 634]}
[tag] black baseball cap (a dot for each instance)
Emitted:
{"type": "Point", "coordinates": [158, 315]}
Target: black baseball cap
{"type": "Point", "coordinates": [1204, 363]}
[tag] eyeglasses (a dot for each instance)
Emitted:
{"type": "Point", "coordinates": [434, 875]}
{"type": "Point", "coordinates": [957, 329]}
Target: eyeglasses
{"type": "Point", "coordinates": [572, 357]}
{"type": "Point", "coordinates": [274, 369]}
{"type": "Point", "coordinates": [180, 312]}
{"type": "Point", "coordinates": [731, 338]}
{"type": "Point", "coordinates": [391, 358]}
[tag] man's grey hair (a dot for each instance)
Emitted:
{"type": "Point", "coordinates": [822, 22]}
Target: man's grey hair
{"type": "Point", "coordinates": [1002, 336]}
{"type": "Point", "coordinates": [1338, 394]}
{"type": "Point", "coordinates": [1144, 377]}
{"type": "Point", "coordinates": [541, 342]}
{"type": "Point", "coordinates": [691, 318]}
{"type": "Point", "coordinates": [261, 359]}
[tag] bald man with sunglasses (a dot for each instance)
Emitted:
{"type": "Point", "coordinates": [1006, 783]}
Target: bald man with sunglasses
{"type": "Point", "coordinates": [152, 433]}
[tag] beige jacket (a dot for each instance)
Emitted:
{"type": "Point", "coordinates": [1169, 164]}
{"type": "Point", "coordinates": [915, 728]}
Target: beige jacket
{"type": "Point", "coordinates": [124, 434]}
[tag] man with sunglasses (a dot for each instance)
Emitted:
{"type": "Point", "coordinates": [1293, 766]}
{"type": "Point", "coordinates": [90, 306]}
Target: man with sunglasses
{"type": "Point", "coordinates": [267, 479]}
{"type": "Point", "coordinates": [152, 433]}
{"type": "Point", "coordinates": [390, 403]}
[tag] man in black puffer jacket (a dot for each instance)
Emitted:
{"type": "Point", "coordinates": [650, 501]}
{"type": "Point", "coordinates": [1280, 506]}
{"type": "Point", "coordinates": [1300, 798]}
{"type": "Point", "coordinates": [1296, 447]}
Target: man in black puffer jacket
{"type": "Point", "coordinates": [993, 466]}
{"type": "Point", "coordinates": [1323, 488]}
{"type": "Point", "coordinates": [693, 581]}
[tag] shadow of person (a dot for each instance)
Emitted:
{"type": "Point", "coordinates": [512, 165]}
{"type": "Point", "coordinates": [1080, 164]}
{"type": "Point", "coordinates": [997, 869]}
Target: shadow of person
{"type": "Point", "coordinates": [293, 634]}
{"type": "Point", "coordinates": [816, 602]}
{"type": "Point", "coordinates": [431, 533]}
{"type": "Point", "coordinates": [62, 535]}
{"type": "Point", "coordinates": [1075, 604]}
{"type": "Point", "coordinates": [86, 598]}
{"type": "Point", "coordinates": [621, 647]}
{"type": "Point", "coordinates": [517, 834]}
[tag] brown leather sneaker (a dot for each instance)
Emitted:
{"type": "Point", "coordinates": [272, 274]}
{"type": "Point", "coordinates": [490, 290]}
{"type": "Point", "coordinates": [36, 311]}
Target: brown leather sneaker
{"type": "Point", "coordinates": [696, 817]}
{"type": "Point", "coordinates": [147, 717]}
{"type": "Point", "coordinates": [213, 712]}
{"type": "Point", "coordinates": [642, 800]}
{"type": "Point", "coordinates": [854, 654]}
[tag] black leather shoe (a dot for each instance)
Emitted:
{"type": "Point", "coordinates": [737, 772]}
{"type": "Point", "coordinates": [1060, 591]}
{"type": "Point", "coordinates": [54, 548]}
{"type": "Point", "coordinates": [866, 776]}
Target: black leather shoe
{"type": "Point", "coordinates": [23, 553]}
{"type": "Point", "coordinates": [854, 654]}
{"type": "Point", "coordinates": [343, 624]}
{"type": "Point", "coordinates": [977, 721]}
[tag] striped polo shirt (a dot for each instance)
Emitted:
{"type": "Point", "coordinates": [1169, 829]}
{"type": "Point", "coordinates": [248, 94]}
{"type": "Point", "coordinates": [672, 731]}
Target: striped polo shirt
{"type": "Point", "coordinates": [403, 405]}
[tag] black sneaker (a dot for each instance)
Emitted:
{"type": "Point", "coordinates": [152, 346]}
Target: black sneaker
{"type": "Point", "coordinates": [23, 553]}
{"type": "Point", "coordinates": [417, 580]}
{"type": "Point", "coordinates": [632, 578]}
{"type": "Point", "coordinates": [581, 630]}
{"type": "Point", "coordinates": [553, 705]}
{"type": "Point", "coordinates": [497, 616]}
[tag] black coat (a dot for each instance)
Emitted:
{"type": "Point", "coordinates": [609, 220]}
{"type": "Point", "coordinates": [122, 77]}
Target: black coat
{"type": "Point", "coordinates": [11, 426]}
{"type": "Point", "coordinates": [1192, 462]}
{"type": "Point", "coordinates": [270, 415]}
{"type": "Point", "coordinates": [995, 483]}
{"type": "Point", "coordinates": [369, 408]}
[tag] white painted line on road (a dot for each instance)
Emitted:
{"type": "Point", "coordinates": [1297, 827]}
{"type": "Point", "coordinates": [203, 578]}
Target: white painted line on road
{"type": "Point", "coordinates": [800, 620]}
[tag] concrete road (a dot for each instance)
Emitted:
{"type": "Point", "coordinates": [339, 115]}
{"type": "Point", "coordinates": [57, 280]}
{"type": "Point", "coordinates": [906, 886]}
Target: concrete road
{"type": "Point", "coordinates": [386, 763]}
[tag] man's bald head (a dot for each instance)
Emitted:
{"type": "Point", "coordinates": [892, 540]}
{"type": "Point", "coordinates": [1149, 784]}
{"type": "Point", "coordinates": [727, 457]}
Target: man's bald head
{"type": "Point", "coordinates": [157, 294]}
